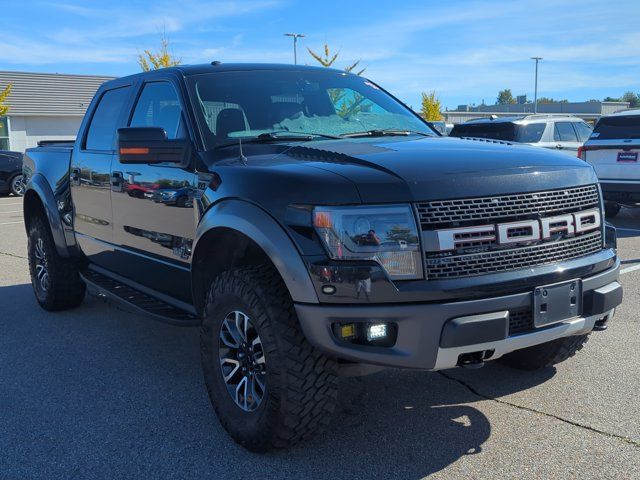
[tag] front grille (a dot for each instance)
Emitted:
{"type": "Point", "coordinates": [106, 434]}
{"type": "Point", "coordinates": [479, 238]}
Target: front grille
{"type": "Point", "coordinates": [520, 321]}
{"type": "Point", "coordinates": [503, 207]}
{"type": "Point", "coordinates": [469, 265]}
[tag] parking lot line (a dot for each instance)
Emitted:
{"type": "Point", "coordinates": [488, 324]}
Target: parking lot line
{"type": "Point", "coordinates": [11, 223]}
{"type": "Point", "coordinates": [15, 203]}
{"type": "Point", "coordinates": [630, 269]}
{"type": "Point", "coordinates": [12, 211]}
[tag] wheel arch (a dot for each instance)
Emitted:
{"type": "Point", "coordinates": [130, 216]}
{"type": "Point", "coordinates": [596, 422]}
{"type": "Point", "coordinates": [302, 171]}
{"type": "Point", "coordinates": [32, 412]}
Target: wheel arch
{"type": "Point", "coordinates": [235, 233]}
{"type": "Point", "coordinates": [39, 200]}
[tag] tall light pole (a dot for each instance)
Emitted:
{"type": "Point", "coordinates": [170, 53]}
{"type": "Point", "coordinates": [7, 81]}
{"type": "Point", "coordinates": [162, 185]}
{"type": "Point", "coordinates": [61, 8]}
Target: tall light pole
{"type": "Point", "coordinates": [535, 92]}
{"type": "Point", "coordinates": [295, 44]}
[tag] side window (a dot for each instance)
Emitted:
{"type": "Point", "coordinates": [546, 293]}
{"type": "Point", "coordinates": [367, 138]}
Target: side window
{"type": "Point", "coordinates": [584, 131]}
{"type": "Point", "coordinates": [102, 129]}
{"type": "Point", "coordinates": [158, 106]}
{"type": "Point", "coordinates": [564, 132]}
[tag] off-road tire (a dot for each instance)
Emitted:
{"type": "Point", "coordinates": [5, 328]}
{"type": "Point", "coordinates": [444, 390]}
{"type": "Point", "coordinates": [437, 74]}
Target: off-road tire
{"type": "Point", "coordinates": [301, 383]}
{"type": "Point", "coordinates": [65, 287]}
{"type": "Point", "coordinates": [611, 209]}
{"type": "Point", "coordinates": [546, 354]}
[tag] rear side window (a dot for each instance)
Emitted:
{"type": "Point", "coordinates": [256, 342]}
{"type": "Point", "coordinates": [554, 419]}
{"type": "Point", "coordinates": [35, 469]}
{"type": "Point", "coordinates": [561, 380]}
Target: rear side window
{"type": "Point", "coordinates": [530, 133]}
{"type": "Point", "coordinates": [583, 130]}
{"type": "Point", "coordinates": [495, 131]}
{"type": "Point", "coordinates": [102, 130]}
{"type": "Point", "coordinates": [623, 127]}
{"type": "Point", "coordinates": [159, 106]}
{"type": "Point", "coordinates": [564, 132]}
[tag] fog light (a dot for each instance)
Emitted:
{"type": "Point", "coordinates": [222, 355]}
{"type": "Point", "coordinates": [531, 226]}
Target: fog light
{"type": "Point", "coordinates": [347, 331]}
{"type": "Point", "coordinates": [376, 331]}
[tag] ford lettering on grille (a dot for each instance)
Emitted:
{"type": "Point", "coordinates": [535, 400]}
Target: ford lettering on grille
{"type": "Point", "coordinates": [484, 235]}
{"type": "Point", "coordinates": [511, 233]}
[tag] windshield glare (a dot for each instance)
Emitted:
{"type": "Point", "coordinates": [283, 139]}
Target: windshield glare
{"type": "Point", "coordinates": [244, 104]}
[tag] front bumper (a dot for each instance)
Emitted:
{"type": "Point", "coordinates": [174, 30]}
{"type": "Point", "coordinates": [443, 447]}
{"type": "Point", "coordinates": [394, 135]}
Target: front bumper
{"type": "Point", "coordinates": [429, 334]}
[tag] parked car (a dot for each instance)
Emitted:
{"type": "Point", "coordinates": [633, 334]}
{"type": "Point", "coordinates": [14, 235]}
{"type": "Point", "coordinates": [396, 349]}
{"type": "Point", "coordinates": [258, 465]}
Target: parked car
{"type": "Point", "coordinates": [612, 150]}
{"type": "Point", "coordinates": [180, 197]}
{"type": "Point", "coordinates": [560, 132]}
{"type": "Point", "coordinates": [11, 173]}
{"type": "Point", "coordinates": [442, 127]}
{"type": "Point", "coordinates": [327, 235]}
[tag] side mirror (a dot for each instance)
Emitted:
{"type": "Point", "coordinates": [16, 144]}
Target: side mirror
{"type": "Point", "coordinates": [150, 145]}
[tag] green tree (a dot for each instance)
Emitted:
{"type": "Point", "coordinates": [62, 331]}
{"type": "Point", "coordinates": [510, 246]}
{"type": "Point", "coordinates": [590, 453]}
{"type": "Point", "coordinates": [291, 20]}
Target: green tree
{"type": "Point", "coordinates": [161, 59]}
{"type": "Point", "coordinates": [431, 107]}
{"type": "Point", "coordinates": [505, 97]}
{"type": "Point", "coordinates": [4, 94]}
{"type": "Point", "coordinates": [632, 98]}
{"type": "Point", "coordinates": [328, 60]}
{"type": "Point", "coordinates": [610, 99]}
{"type": "Point", "coordinates": [551, 100]}
{"type": "Point", "coordinates": [345, 105]}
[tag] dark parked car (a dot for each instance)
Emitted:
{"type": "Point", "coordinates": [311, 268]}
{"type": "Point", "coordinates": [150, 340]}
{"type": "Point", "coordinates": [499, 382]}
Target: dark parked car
{"type": "Point", "coordinates": [332, 229]}
{"type": "Point", "coordinates": [11, 173]}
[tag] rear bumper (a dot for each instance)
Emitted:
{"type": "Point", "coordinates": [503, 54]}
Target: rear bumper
{"type": "Point", "coordinates": [432, 336]}
{"type": "Point", "coordinates": [620, 191]}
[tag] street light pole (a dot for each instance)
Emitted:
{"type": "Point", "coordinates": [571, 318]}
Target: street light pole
{"type": "Point", "coordinates": [535, 93]}
{"type": "Point", "coordinates": [295, 37]}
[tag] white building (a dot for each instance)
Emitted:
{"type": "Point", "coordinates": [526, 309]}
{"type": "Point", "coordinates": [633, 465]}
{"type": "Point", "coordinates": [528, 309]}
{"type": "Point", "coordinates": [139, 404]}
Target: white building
{"type": "Point", "coordinates": [44, 106]}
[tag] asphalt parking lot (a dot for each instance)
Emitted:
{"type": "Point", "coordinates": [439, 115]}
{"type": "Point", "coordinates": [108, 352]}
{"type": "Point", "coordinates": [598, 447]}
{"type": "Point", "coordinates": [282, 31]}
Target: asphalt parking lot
{"type": "Point", "coordinates": [97, 392]}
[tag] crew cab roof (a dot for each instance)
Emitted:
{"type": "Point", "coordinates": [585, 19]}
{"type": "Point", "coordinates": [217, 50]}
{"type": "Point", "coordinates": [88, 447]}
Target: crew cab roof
{"type": "Point", "coordinates": [188, 70]}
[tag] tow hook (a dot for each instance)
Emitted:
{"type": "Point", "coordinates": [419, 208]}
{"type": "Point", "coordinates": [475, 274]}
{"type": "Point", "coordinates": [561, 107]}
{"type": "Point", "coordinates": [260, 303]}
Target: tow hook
{"type": "Point", "coordinates": [602, 324]}
{"type": "Point", "coordinates": [474, 360]}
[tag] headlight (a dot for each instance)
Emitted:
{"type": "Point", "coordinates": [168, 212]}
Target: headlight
{"type": "Point", "coordinates": [385, 234]}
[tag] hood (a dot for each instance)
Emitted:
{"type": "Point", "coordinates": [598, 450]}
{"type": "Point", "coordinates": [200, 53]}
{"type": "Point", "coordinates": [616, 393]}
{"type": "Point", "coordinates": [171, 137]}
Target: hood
{"type": "Point", "coordinates": [391, 169]}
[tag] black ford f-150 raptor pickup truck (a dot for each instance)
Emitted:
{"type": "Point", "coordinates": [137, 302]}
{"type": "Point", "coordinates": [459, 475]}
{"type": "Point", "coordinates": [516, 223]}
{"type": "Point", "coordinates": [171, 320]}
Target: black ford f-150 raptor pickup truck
{"type": "Point", "coordinates": [327, 227]}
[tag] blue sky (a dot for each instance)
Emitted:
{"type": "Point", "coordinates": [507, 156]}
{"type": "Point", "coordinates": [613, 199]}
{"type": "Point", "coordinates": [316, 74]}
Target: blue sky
{"type": "Point", "coordinates": [464, 50]}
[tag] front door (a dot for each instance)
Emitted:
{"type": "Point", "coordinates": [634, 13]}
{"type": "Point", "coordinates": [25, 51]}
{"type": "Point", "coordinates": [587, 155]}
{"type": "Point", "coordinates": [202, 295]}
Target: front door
{"type": "Point", "coordinates": [153, 215]}
{"type": "Point", "coordinates": [90, 176]}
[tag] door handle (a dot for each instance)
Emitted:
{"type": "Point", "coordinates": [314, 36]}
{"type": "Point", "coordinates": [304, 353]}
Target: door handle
{"type": "Point", "coordinates": [75, 175]}
{"type": "Point", "coordinates": [559, 147]}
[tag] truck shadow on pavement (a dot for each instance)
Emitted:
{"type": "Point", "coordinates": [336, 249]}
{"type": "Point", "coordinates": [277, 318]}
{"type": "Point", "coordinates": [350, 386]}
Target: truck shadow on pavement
{"type": "Point", "coordinates": [98, 392]}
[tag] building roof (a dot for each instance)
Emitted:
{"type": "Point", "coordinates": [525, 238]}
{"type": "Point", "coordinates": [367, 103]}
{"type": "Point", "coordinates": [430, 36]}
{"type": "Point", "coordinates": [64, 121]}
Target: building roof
{"type": "Point", "coordinates": [50, 93]}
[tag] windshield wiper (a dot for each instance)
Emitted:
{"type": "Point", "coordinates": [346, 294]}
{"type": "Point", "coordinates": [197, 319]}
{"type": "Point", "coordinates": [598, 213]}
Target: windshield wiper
{"type": "Point", "coordinates": [383, 133]}
{"type": "Point", "coordinates": [280, 136]}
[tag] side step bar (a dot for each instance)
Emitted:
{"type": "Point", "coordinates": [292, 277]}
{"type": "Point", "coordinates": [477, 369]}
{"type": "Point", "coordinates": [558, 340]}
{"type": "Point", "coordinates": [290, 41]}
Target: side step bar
{"type": "Point", "coordinates": [137, 300]}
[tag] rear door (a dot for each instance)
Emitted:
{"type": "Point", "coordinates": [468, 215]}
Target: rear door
{"type": "Point", "coordinates": [614, 149]}
{"type": "Point", "coordinates": [153, 215]}
{"type": "Point", "coordinates": [565, 137]}
{"type": "Point", "coordinates": [90, 174]}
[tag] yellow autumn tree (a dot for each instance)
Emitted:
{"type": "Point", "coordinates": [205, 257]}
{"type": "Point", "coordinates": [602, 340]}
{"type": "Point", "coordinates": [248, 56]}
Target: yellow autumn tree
{"type": "Point", "coordinates": [431, 107]}
{"type": "Point", "coordinates": [4, 94]}
{"type": "Point", "coordinates": [161, 59]}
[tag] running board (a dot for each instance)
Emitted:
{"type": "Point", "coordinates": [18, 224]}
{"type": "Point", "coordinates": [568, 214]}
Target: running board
{"type": "Point", "coordinates": [136, 300]}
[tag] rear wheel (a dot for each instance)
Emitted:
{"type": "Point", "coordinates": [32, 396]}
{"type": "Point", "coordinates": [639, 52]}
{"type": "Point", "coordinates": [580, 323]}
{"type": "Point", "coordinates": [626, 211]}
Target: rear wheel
{"type": "Point", "coordinates": [269, 387]}
{"type": "Point", "coordinates": [55, 280]}
{"type": "Point", "coordinates": [546, 354]}
{"type": "Point", "coordinates": [611, 209]}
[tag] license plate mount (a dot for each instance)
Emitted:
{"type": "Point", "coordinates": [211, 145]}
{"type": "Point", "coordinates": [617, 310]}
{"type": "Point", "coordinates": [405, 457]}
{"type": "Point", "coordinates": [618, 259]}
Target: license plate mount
{"type": "Point", "coordinates": [557, 302]}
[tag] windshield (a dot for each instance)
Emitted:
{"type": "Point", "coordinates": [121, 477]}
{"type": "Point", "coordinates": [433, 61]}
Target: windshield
{"type": "Point", "coordinates": [610, 128]}
{"type": "Point", "coordinates": [510, 132]}
{"type": "Point", "coordinates": [232, 105]}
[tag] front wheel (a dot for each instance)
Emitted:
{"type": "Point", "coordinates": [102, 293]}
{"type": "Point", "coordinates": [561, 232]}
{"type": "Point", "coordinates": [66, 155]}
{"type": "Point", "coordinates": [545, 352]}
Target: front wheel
{"type": "Point", "coordinates": [546, 354]}
{"type": "Point", "coordinates": [269, 387]}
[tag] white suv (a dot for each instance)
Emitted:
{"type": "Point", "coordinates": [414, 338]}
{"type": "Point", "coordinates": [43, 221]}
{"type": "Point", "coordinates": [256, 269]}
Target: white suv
{"type": "Point", "coordinates": [564, 133]}
{"type": "Point", "coordinates": [612, 150]}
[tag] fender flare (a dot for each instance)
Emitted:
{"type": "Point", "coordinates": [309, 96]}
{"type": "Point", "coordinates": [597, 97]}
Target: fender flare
{"type": "Point", "coordinates": [259, 226]}
{"type": "Point", "coordinates": [39, 185]}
